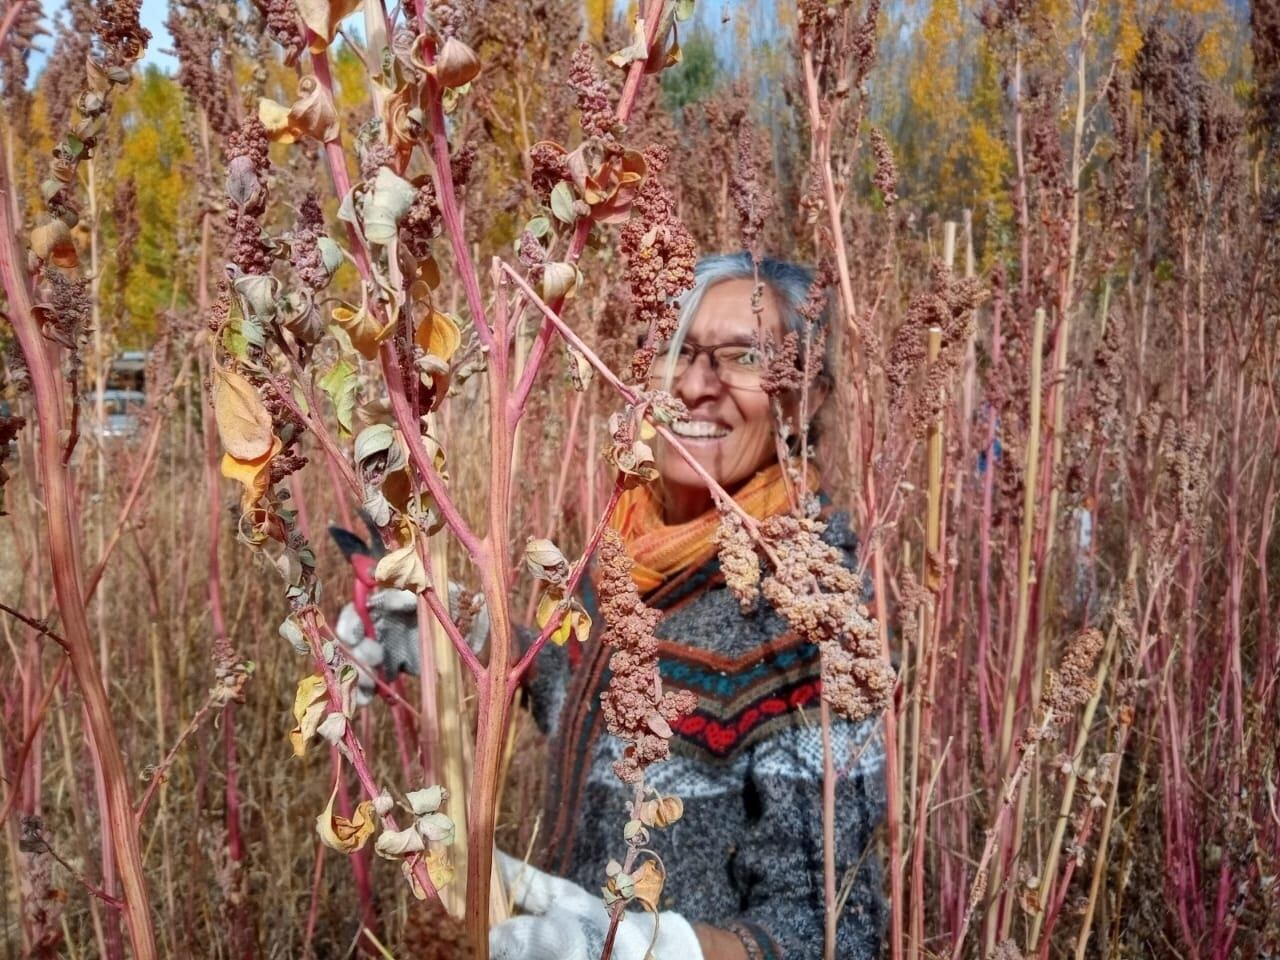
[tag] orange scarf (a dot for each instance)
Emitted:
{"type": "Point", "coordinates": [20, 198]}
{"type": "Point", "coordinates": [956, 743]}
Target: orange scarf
{"type": "Point", "coordinates": [659, 550]}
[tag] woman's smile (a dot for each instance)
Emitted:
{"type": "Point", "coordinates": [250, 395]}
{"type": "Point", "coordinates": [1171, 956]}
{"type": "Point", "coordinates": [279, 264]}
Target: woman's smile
{"type": "Point", "coordinates": [700, 431]}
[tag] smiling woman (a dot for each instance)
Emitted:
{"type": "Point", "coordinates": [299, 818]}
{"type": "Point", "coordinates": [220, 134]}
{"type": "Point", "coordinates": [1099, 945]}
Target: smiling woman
{"type": "Point", "coordinates": [743, 857]}
{"type": "Point", "coordinates": [716, 365]}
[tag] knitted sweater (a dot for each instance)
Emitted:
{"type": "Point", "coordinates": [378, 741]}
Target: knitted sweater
{"type": "Point", "coordinates": [747, 854]}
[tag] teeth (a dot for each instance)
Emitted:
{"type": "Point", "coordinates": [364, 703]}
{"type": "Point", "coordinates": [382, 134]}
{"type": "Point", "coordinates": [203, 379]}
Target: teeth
{"type": "Point", "coordinates": [698, 430]}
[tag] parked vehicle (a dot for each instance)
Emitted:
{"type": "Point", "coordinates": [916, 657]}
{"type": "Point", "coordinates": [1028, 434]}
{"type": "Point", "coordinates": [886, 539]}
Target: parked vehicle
{"type": "Point", "coordinates": [121, 410]}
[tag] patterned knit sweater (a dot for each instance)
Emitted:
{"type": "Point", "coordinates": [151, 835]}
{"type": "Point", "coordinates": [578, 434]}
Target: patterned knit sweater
{"type": "Point", "coordinates": [747, 854]}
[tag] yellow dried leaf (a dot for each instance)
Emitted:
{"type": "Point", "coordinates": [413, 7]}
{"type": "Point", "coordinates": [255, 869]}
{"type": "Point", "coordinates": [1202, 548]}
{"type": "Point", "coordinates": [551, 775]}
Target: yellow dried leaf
{"type": "Point", "coordinates": [244, 425]}
{"type": "Point", "coordinates": [363, 329]}
{"type": "Point", "coordinates": [339, 833]}
{"type": "Point", "coordinates": [402, 569]}
{"type": "Point", "coordinates": [648, 882]}
{"type": "Point", "coordinates": [322, 18]}
{"type": "Point", "coordinates": [661, 812]}
{"type": "Point", "coordinates": [438, 335]}
{"type": "Point", "coordinates": [275, 117]}
{"type": "Point", "coordinates": [576, 622]}
{"type": "Point", "coordinates": [309, 704]}
{"type": "Point", "coordinates": [253, 475]}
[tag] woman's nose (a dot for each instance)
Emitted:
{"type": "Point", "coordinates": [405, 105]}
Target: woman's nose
{"type": "Point", "coordinates": [699, 381]}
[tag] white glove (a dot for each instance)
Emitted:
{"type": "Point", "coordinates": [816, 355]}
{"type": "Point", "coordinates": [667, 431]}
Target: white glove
{"type": "Point", "coordinates": [564, 922]}
{"type": "Point", "coordinates": [363, 649]}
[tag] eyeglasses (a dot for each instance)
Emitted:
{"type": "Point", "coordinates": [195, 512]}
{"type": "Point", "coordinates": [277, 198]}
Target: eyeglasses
{"type": "Point", "coordinates": [738, 365]}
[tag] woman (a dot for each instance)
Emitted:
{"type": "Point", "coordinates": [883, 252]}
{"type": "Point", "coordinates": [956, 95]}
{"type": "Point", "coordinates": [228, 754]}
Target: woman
{"type": "Point", "coordinates": [745, 862]}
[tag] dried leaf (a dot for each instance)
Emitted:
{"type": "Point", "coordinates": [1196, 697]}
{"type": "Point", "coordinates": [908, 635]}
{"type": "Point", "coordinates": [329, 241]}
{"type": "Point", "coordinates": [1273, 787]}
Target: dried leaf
{"type": "Point", "coordinates": [333, 728]}
{"type": "Point", "coordinates": [313, 113]}
{"type": "Point", "coordinates": [385, 205]}
{"type": "Point", "coordinates": [339, 833]}
{"type": "Point", "coordinates": [580, 370]}
{"type": "Point", "coordinates": [456, 64]}
{"type": "Point", "coordinates": [402, 569]}
{"type": "Point", "coordinates": [559, 279]}
{"type": "Point", "coordinates": [436, 827]}
{"type": "Point", "coordinates": [244, 425]}
{"type": "Point", "coordinates": [576, 622]}
{"type": "Point", "coordinates": [52, 241]}
{"type": "Point", "coordinates": [637, 49]}
{"type": "Point", "coordinates": [394, 844]}
{"type": "Point", "coordinates": [545, 561]}
{"type": "Point", "coordinates": [427, 800]}
{"type": "Point", "coordinates": [647, 883]}
{"type": "Point", "coordinates": [274, 116]}
{"type": "Point", "coordinates": [661, 812]}
{"type": "Point", "coordinates": [363, 330]}
{"type": "Point", "coordinates": [438, 335]}
{"type": "Point", "coordinates": [309, 705]}
{"type": "Point", "coordinates": [253, 475]}
{"type": "Point", "coordinates": [322, 18]}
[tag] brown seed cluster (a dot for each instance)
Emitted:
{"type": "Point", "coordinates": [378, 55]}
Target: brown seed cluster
{"type": "Point", "coordinates": [248, 161]}
{"type": "Point", "coordinates": [283, 26]}
{"type": "Point", "coordinates": [753, 200]}
{"type": "Point", "coordinates": [822, 601]}
{"type": "Point", "coordinates": [308, 262]}
{"type": "Point", "coordinates": [200, 68]}
{"type": "Point", "coordinates": [635, 708]}
{"type": "Point", "coordinates": [1071, 684]}
{"type": "Point", "coordinates": [660, 256]}
{"type": "Point", "coordinates": [739, 561]}
{"type": "Point", "coordinates": [595, 99]}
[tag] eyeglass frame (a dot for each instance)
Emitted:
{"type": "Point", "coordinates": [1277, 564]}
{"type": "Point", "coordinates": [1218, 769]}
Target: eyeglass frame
{"type": "Point", "coordinates": [695, 350]}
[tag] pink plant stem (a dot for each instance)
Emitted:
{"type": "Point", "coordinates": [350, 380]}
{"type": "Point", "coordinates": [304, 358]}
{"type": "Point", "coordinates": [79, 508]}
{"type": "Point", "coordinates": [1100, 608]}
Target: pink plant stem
{"type": "Point", "coordinates": [893, 776]}
{"type": "Point", "coordinates": [355, 751]}
{"type": "Point", "coordinates": [313, 911]}
{"type": "Point", "coordinates": [571, 586]}
{"type": "Point", "coordinates": [10, 18]}
{"type": "Point", "coordinates": [426, 471]}
{"type": "Point", "coordinates": [64, 563]}
{"type": "Point", "coordinates": [830, 913]}
{"type": "Point", "coordinates": [984, 553]}
{"type": "Point", "coordinates": [34, 723]}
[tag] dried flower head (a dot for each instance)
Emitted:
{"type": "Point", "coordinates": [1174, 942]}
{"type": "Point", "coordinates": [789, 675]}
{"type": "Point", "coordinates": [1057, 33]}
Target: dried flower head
{"type": "Point", "coordinates": [635, 708]}
{"type": "Point", "coordinates": [595, 99]}
{"type": "Point", "coordinates": [1068, 687]}
{"type": "Point", "coordinates": [660, 258]}
{"type": "Point", "coordinates": [739, 561]}
{"type": "Point", "coordinates": [821, 599]}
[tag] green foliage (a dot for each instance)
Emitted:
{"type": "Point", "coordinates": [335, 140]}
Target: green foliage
{"type": "Point", "coordinates": [695, 78]}
{"type": "Point", "coordinates": [155, 151]}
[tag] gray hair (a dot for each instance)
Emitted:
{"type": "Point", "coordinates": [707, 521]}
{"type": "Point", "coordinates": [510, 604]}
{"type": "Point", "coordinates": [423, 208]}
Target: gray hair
{"type": "Point", "coordinates": [789, 283]}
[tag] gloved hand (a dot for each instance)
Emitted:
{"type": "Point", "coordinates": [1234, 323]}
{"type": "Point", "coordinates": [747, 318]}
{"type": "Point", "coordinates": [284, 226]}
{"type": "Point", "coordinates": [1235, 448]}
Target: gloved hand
{"type": "Point", "coordinates": [564, 922]}
{"type": "Point", "coordinates": [394, 649]}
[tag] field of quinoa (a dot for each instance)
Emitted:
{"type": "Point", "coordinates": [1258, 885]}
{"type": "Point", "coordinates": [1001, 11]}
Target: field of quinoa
{"type": "Point", "coordinates": [401, 268]}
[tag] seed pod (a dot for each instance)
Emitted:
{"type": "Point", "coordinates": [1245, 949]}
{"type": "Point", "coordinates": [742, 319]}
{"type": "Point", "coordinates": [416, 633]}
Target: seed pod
{"type": "Point", "coordinates": [456, 64]}
{"type": "Point", "coordinates": [558, 280]}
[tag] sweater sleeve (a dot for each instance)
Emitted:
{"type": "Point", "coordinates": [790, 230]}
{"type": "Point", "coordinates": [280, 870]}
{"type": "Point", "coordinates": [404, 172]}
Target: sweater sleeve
{"type": "Point", "coordinates": [547, 681]}
{"type": "Point", "coordinates": [778, 864]}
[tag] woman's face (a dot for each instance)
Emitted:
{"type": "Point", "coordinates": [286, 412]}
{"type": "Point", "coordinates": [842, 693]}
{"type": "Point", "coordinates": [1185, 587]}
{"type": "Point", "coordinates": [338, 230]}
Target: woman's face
{"type": "Point", "coordinates": [730, 430]}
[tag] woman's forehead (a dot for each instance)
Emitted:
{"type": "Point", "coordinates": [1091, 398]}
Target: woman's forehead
{"type": "Point", "coordinates": [724, 315]}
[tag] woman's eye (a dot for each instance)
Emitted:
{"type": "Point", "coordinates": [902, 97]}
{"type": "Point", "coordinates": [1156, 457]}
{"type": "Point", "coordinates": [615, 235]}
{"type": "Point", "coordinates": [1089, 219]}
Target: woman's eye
{"type": "Point", "coordinates": [746, 358]}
